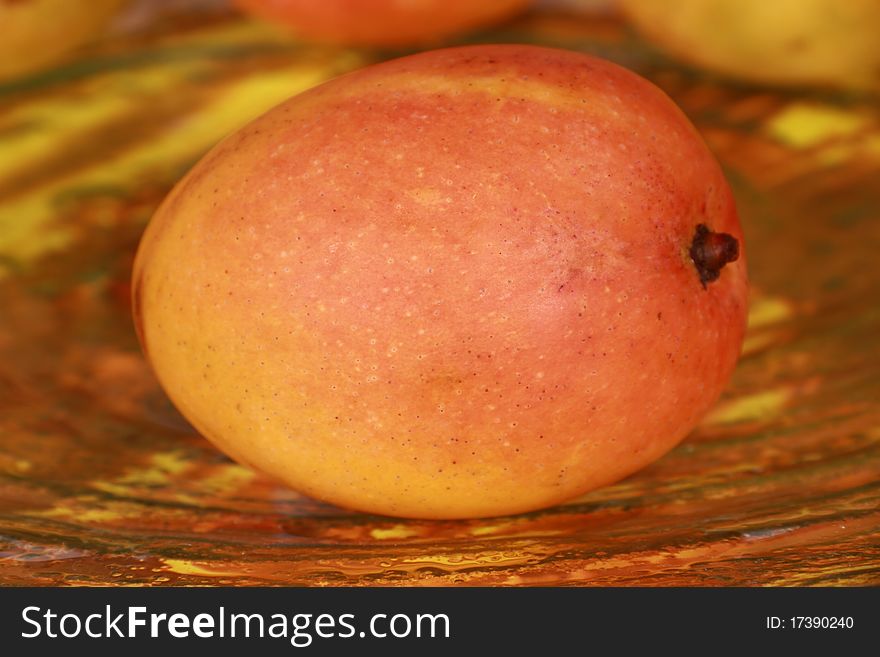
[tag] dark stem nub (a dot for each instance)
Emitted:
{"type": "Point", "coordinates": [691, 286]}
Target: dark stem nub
{"type": "Point", "coordinates": [711, 251]}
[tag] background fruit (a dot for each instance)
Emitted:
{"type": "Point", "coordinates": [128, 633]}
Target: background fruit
{"type": "Point", "coordinates": [454, 284]}
{"type": "Point", "coordinates": [381, 22]}
{"type": "Point", "coordinates": [37, 33]}
{"type": "Point", "coordinates": [824, 42]}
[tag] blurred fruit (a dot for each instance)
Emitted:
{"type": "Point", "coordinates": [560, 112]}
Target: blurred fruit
{"type": "Point", "coordinates": [381, 22]}
{"type": "Point", "coordinates": [821, 42]}
{"type": "Point", "coordinates": [469, 282]}
{"type": "Point", "coordinates": [35, 34]}
{"type": "Point", "coordinates": [576, 6]}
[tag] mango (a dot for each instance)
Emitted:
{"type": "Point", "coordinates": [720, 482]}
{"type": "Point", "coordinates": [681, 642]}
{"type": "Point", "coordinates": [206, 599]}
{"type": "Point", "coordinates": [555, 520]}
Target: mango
{"type": "Point", "coordinates": [830, 43]}
{"type": "Point", "coordinates": [469, 282]}
{"type": "Point", "coordinates": [381, 22]}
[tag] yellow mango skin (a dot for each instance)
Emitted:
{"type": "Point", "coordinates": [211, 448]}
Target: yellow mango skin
{"type": "Point", "coordinates": [792, 42]}
{"type": "Point", "coordinates": [451, 285]}
{"type": "Point", "coordinates": [35, 34]}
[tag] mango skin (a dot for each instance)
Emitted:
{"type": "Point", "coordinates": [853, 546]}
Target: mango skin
{"type": "Point", "coordinates": [455, 284]}
{"type": "Point", "coordinates": [831, 43]}
{"type": "Point", "coordinates": [381, 22]}
{"type": "Point", "coordinates": [38, 33]}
